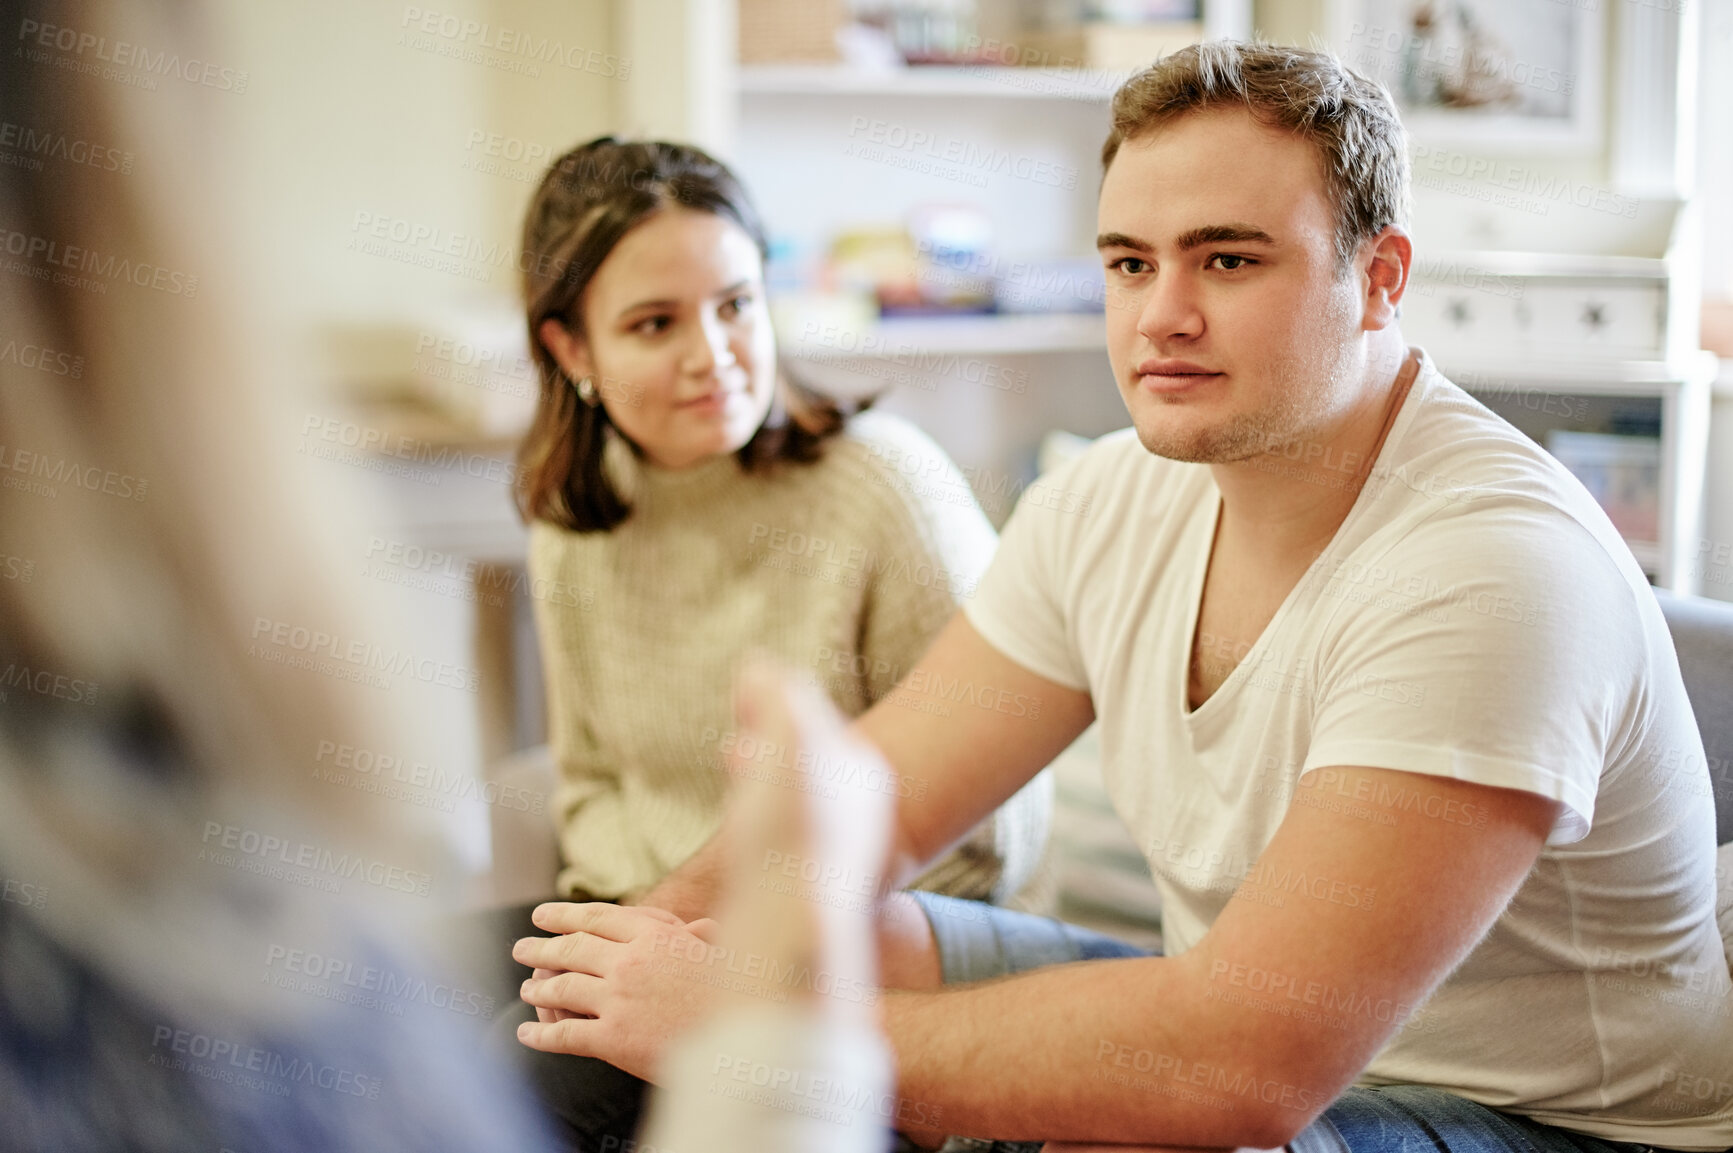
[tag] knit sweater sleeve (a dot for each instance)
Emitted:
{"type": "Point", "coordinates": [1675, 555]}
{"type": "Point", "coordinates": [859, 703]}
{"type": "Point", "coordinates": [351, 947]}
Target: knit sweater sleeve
{"type": "Point", "coordinates": [588, 806]}
{"type": "Point", "coordinates": [936, 544]}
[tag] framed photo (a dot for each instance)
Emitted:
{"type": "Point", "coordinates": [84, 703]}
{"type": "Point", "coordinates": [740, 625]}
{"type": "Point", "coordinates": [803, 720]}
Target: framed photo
{"type": "Point", "coordinates": [1503, 75]}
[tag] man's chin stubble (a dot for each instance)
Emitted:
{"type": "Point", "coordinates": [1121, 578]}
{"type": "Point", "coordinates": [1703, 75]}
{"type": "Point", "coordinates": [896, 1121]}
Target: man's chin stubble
{"type": "Point", "coordinates": [1209, 446]}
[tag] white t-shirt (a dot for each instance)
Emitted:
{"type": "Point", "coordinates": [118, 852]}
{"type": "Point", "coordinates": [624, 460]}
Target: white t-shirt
{"type": "Point", "coordinates": [1476, 617]}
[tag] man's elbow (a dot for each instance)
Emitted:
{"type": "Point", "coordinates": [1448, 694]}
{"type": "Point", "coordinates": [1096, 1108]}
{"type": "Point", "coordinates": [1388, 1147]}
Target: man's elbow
{"type": "Point", "coordinates": [1277, 1125]}
{"type": "Point", "coordinates": [1253, 1125]}
{"type": "Point", "coordinates": [1287, 1102]}
{"type": "Point", "coordinates": [907, 859]}
{"type": "Point", "coordinates": [1266, 1112]}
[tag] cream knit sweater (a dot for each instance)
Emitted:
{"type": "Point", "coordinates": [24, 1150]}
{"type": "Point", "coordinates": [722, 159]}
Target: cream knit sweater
{"type": "Point", "coordinates": [845, 568]}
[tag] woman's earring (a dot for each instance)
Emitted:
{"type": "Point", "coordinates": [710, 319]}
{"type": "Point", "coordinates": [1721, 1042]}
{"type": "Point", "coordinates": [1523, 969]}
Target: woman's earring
{"type": "Point", "coordinates": [587, 390]}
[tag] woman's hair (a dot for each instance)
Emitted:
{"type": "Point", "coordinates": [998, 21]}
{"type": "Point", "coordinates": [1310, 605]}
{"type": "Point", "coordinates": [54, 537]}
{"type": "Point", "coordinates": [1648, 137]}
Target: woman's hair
{"type": "Point", "coordinates": [587, 202]}
{"type": "Point", "coordinates": [1350, 120]}
{"type": "Point", "coordinates": [152, 537]}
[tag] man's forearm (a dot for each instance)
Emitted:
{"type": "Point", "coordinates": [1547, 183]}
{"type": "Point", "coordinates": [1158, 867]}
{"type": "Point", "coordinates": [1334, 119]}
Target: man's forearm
{"type": "Point", "coordinates": [1107, 1051]}
{"type": "Point", "coordinates": [695, 888]}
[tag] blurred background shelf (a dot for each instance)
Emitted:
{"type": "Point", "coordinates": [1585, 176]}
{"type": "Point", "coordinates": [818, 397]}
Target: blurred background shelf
{"type": "Point", "coordinates": [970, 80]}
{"type": "Point", "coordinates": [992, 334]}
{"type": "Point", "coordinates": [1480, 373]}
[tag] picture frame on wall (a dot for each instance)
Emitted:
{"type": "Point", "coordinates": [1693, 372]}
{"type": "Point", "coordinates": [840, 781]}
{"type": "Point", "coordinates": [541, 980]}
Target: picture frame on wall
{"type": "Point", "coordinates": [1499, 75]}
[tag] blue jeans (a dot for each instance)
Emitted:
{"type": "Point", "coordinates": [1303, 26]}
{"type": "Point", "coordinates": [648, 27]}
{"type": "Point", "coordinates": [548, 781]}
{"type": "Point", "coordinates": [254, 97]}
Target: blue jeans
{"type": "Point", "coordinates": [978, 941]}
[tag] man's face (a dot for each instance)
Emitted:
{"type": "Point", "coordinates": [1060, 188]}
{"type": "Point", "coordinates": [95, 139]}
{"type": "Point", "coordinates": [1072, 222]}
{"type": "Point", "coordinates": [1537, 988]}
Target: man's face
{"type": "Point", "coordinates": [1229, 330]}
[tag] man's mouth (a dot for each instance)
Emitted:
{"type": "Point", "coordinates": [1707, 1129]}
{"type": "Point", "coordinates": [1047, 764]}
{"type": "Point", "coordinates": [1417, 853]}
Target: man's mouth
{"type": "Point", "coordinates": [1166, 375]}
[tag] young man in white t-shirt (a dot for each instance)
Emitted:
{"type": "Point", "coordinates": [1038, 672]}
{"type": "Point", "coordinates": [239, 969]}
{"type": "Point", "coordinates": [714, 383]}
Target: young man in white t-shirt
{"type": "Point", "coordinates": [1382, 694]}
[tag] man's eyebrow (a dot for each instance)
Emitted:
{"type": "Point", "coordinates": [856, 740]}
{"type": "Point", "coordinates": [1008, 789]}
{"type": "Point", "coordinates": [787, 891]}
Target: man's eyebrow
{"type": "Point", "coordinates": [1120, 240]}
{"type": "Point", "coordinates": [1192, 238]}
{"type": "Point", "coordinates": [1222, 234]}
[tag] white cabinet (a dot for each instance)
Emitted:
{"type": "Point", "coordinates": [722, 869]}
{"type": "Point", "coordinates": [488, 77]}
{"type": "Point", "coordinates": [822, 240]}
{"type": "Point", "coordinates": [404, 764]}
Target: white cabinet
{"type": "Point", "coordinates": [1574, 351]}
{"type": "Point", "coordinates": [1558, 308]}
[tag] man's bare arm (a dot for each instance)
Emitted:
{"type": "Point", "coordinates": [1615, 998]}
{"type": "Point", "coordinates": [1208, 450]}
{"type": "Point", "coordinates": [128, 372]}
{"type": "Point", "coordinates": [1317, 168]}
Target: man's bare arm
{"type": "Point", "coordinates": [958, 766]}
{"type": "Point", "coordinates": [1244, 1039]}
{"type": "Point", "coordinates": [693, 890]}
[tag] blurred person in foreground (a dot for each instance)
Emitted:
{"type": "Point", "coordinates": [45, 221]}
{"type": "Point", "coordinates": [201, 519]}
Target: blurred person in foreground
{"type": "Point", "coordinates": [195, 938]}
{"type": "Point", "coordinates": [174, 974]}
{"type": "Point", "coordinates": [1382, 693]}
{"type": "Point", "coordinates": [687, 500]}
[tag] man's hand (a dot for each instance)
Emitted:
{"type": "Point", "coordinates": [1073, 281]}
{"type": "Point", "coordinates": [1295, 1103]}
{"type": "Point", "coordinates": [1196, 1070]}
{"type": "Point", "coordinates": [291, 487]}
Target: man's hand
{"type": "Point", "coordinates": [621, 981]}
{"type": "Point", "coordinates": [549, 1016]}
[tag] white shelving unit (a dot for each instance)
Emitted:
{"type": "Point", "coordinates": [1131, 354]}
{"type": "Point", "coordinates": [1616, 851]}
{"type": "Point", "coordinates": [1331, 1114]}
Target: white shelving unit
{"type": "Point", "coordinates": [814, 144]}
{"type": "Point", "coordinates": [808, 140]}
{"type": "Point", "coordinates": [824, 148]}
{"type": "Point", "coordinates": [1579, 343]}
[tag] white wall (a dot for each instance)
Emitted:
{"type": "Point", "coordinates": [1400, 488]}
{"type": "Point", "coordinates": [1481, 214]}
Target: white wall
{"type": "Point", "coordinates": [359, 109]}
{"type": "Point", "coordinates": [436, 118]}
{"type": "Point", "coordinates": [1715, 189]}
{"type": "Point", "coordinates": [1529, 198]}
{"type": "Point", "coordinates": [1715, 146]}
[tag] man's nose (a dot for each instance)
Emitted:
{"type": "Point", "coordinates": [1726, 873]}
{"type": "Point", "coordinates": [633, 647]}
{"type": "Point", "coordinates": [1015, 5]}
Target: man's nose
{"type": "Point", "coordinates": [1170, 309]}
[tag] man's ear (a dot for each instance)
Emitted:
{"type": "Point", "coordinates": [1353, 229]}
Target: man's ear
{"type": "Point", "coordinates": [1386, 277]}
{"type": "Point", "coordinates": [569, 350]}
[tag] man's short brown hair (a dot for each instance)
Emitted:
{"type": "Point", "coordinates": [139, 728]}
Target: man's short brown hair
{"type": "Point", "coordinates": [1351, 120]}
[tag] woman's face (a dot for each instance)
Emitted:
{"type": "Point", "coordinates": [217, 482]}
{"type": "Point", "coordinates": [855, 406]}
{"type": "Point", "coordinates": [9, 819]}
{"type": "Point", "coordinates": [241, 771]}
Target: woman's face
{"type": "Point", "coordinates": [677, 337]}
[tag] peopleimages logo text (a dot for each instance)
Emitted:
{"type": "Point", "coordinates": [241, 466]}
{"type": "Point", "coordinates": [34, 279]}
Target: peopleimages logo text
{"type": "Point", "coordinates": [123, 54]}
{"type": "Point", "coordinates": [362, 655]}
{"type": "Point", "coordinates": [268, 847]}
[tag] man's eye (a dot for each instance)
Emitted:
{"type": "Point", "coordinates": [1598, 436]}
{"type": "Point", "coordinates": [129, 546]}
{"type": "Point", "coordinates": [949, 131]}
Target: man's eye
{"type": "Point", "coordinates": [1228, 262]}
{"type": "Point", "coordinates": [1125, 264]}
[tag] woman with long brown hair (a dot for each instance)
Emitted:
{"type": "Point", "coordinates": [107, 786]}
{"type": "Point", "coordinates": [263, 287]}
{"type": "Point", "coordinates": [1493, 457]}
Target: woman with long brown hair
{"type": "Point", "coordinates": [705, 504]}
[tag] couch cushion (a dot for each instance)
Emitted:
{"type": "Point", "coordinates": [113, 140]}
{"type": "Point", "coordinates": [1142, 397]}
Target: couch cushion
{"type": "Point", "coordinates": [1703, 633]}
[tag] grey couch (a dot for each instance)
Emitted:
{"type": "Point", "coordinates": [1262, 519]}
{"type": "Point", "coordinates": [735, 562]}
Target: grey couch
{"type": "Point", "coordinates": [1703, 633]}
